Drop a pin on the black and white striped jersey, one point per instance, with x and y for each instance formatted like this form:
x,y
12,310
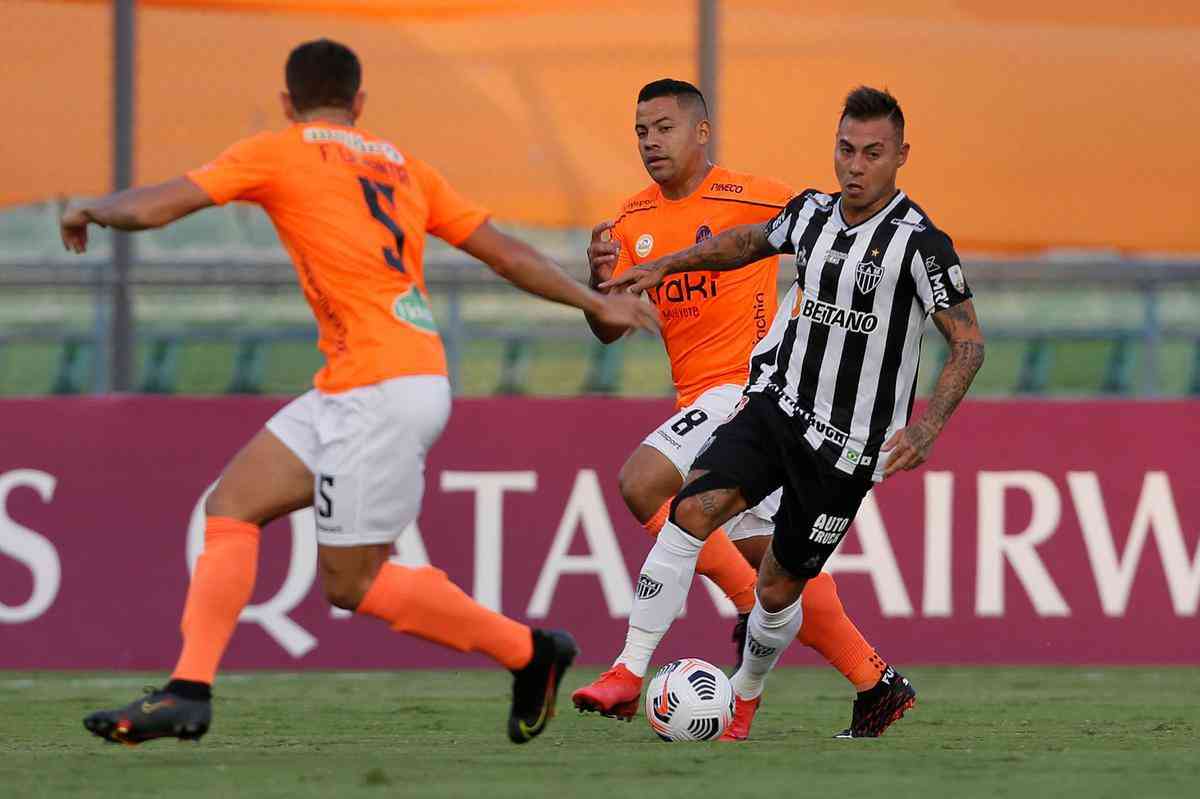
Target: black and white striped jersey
x,y
841,356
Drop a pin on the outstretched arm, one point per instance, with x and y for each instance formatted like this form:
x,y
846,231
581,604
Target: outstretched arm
x,y
133,209
733,249
958,324
530,270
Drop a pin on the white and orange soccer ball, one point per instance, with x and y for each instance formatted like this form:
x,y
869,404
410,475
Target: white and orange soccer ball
x,y
689,700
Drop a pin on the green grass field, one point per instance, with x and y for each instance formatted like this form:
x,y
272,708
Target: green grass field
x,y
976,732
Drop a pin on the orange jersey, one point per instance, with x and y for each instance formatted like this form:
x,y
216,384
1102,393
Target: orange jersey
x,y
352,211
710,320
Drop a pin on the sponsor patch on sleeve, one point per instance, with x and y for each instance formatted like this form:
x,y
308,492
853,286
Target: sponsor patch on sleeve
x,y
955,273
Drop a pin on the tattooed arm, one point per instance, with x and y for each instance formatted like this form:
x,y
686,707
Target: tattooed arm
x,y
733,249
910,447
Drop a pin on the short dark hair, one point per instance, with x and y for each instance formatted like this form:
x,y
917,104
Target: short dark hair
x,y
323,74
681,90
866,103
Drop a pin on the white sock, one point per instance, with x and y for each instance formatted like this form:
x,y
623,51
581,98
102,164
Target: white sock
x,y
767,635
662,589
639,648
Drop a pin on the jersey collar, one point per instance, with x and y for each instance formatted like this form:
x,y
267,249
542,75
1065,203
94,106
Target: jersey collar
x,y
869,221
709,177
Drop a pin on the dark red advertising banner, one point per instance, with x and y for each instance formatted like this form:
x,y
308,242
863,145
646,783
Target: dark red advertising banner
x,y
1039,532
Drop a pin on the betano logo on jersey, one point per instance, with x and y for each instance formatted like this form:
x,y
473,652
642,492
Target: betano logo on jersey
x,y
412,308
824,313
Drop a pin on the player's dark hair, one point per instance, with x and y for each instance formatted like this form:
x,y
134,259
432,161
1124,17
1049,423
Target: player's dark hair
x,y
323,74
866,103
681,90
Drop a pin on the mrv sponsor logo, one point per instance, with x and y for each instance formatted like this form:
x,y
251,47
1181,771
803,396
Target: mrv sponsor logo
x,y
941,296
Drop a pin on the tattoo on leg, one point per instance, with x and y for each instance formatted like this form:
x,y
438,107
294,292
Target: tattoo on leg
x,y
709,501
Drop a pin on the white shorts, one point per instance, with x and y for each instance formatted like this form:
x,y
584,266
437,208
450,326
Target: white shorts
x,y
366,449
681,438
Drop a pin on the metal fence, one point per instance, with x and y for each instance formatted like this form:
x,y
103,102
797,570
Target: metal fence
x,y
221,279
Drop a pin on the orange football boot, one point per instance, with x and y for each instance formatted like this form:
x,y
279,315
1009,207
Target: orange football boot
x,y
743,714
614,694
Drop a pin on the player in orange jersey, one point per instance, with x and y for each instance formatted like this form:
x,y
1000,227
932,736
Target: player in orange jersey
x,y
710,323
352,210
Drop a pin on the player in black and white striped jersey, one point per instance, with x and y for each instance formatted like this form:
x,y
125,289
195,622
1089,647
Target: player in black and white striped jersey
x,y
827,406
844,357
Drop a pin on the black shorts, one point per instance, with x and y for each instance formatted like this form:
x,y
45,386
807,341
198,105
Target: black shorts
x,y
761,449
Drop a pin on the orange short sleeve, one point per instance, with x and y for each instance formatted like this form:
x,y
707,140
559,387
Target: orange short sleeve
x,y
242,172
451,217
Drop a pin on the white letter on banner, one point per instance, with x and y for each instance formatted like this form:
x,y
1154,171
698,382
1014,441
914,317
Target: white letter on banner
x,y
489,488
29,547
1155,514
410,549
272,615
877,560
585,507
722,603
1019,549
936,594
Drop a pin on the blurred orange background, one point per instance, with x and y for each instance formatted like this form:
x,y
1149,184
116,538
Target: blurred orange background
x,y
1032,124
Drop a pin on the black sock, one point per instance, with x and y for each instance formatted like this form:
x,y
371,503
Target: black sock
x,y
187,689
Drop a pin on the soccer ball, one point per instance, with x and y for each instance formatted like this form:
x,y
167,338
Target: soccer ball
x,y
689,700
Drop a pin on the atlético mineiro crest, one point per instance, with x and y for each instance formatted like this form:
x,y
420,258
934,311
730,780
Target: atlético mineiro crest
x,y
648,587
758,648
867,276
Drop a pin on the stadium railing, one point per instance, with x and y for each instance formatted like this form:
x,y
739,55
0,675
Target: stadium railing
x,y
1042,306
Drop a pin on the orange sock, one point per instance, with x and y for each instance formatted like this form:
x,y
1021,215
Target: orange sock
x,y
221,586
655,525
425,603
827,629
720,561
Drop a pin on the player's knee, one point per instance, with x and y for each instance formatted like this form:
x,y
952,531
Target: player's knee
x,y
627,483
641,490
689,513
